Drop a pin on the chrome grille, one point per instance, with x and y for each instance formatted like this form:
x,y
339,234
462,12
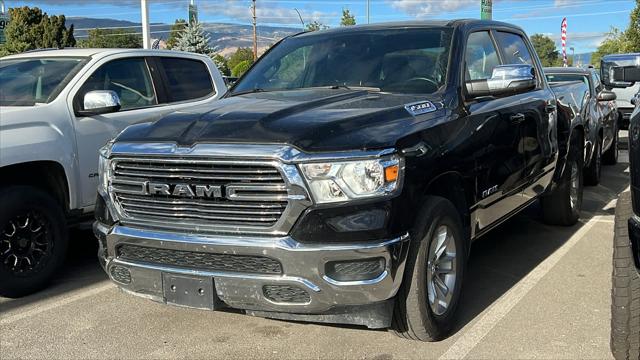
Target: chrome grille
x,y
249,193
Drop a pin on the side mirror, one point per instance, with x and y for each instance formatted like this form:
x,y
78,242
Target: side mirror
x,y
634,100
99,102
505,80
606,95
620,70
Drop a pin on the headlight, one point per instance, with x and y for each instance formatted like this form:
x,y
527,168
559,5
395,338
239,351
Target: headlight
x,y
103,168
351,180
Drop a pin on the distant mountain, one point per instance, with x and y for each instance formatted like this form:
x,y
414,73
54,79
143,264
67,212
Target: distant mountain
x,y
226,37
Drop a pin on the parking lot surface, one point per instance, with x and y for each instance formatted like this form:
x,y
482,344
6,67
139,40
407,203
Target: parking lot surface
x,y
532,291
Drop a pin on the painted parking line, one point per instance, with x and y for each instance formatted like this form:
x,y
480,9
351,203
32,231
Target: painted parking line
x,y
79,295
472,337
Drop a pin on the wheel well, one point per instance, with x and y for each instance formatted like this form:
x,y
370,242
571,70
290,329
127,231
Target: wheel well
x,y
451,186
45,175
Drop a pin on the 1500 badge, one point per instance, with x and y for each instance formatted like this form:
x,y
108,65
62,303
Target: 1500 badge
x,y
421,107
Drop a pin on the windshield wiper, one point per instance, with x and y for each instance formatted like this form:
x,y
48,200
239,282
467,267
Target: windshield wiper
x,y
250,91
369,88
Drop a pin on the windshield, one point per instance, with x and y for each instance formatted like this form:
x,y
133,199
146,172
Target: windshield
x,y
555,78
396,60
26,82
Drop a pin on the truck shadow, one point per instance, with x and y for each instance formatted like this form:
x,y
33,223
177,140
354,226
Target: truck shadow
x,y
506,255
80,270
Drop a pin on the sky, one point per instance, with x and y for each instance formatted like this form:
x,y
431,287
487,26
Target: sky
x,y
588,20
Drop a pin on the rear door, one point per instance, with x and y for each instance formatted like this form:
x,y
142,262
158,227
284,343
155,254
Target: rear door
x,y
499,158
536,108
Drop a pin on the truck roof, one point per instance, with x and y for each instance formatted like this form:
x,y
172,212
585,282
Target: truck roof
x,y
413,24
81,52
567,70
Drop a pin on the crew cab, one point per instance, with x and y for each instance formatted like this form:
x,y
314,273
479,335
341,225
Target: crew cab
x,y
344,176
600,128
57,108
625,292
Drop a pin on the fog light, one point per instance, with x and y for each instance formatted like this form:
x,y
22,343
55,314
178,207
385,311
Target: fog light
x,y
120,274
355,270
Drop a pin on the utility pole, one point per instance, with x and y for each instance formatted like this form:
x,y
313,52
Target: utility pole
x,y
255,36
146,37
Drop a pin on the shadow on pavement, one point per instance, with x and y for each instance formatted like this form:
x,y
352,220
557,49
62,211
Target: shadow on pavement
x,y
81,269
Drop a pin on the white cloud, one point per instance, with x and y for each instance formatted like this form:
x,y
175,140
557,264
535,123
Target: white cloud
x,y
271,13
431,7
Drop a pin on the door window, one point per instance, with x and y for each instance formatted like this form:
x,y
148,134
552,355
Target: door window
x,y
514,49
187,79
481,56
129,78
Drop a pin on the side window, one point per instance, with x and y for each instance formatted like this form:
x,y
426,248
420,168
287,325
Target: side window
x,y
129,78
480,56
514,49
187,79
597,83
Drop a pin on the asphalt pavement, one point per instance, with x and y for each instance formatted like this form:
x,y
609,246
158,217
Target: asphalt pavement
x,y
532,291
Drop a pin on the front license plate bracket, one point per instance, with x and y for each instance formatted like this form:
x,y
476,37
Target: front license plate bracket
x,y
190,291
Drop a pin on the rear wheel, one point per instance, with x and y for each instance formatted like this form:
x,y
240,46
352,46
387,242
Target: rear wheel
x,y
562,206
426,303
625,290
33,240
610,157
594,170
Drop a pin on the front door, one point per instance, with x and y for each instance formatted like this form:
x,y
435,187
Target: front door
x,y
499,158
130,79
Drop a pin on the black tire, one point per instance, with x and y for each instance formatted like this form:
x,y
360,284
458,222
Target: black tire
x,y
610,157
413,316
593,172
29,255
625,288
557,206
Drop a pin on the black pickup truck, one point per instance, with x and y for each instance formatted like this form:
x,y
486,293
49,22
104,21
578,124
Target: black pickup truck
x,y
344,176
600,122
625,292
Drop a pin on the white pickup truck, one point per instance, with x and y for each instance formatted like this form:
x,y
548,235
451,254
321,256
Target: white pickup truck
x,y
57,107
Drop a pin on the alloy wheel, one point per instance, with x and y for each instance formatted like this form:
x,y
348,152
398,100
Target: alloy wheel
x,y
25,243
441,270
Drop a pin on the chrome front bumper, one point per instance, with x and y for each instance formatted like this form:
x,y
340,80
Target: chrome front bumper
x,y
303,266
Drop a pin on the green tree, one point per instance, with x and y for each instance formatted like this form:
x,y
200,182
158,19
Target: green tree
x,y
241,68
614,43
315,26
194,39
30,28
241,55
632,34
176,29
222,64
111,38
546,50
347,19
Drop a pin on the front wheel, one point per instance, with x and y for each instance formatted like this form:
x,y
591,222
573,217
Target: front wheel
x,y
33,240
427,300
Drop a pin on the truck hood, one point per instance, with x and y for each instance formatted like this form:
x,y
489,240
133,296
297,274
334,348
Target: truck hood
x,y
23,116
309,119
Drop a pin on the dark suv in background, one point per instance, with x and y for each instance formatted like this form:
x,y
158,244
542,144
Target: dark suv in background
x,y
625,294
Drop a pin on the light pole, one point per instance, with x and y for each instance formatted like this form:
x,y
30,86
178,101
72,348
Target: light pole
x,y
146,37
300,16
573,56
